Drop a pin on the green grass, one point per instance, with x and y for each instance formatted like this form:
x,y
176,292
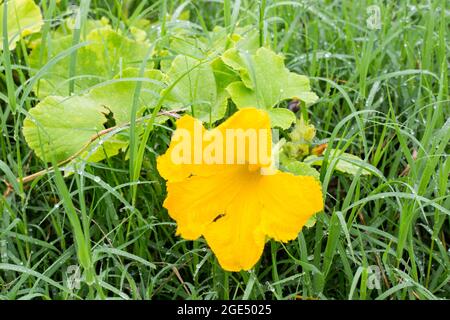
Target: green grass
x,y
383,96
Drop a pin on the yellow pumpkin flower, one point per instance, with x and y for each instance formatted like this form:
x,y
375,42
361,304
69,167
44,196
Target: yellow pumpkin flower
x,y
228,194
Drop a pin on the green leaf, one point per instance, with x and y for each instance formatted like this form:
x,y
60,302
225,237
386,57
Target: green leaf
x,y
213,44
244,97
188,46
302,169
236,60
223,74
311,221
24,18
281,117
105,148
115,51
192,85
244,46
106,54
68,25
61,127
117,96
265,82
346,163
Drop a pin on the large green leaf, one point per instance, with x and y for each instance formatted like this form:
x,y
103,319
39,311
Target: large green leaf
x,y
223,75
58,127
281,117
266,82
211,44
192,85
68,25
106,53
117,95
115,51
24,18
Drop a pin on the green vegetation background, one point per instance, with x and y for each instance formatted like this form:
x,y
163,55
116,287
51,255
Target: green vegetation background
x,y
383,96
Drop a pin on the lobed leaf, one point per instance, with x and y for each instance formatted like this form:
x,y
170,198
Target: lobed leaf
x,y
24,18
107,53
192,85
60,127
265,82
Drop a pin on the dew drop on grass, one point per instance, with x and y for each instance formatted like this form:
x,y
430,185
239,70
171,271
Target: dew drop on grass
x,y
130,208
56,206
97,179
269,286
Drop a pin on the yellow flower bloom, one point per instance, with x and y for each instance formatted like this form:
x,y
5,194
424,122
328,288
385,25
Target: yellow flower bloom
x,y
234,205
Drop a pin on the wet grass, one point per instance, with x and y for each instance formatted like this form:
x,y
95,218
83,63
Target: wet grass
x,y
383,96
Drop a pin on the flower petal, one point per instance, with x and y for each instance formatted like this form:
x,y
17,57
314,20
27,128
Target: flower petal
x,y
180,162
235,238
169,169
247,118
250,123
195,202
233,205
288,202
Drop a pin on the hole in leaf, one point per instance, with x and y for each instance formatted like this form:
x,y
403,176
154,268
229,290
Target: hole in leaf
x,y
110,121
